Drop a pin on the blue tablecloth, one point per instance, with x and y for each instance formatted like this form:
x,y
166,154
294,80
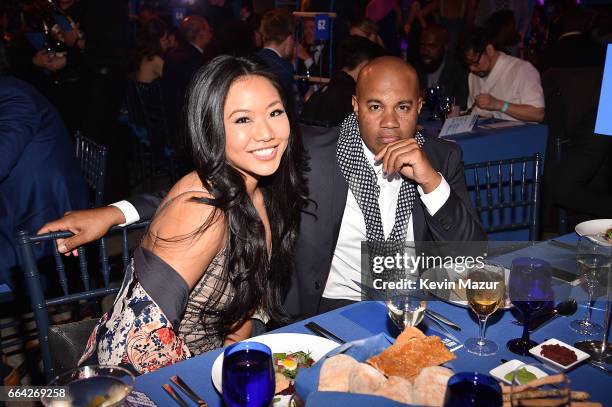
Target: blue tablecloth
x,y
484,144
368,318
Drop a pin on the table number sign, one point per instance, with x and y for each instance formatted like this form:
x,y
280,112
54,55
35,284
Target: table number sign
x,y
456,125
322,27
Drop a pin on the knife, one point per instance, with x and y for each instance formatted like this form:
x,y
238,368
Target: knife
x,y
174,396
443,319
319,330
188,391
563,245
444,329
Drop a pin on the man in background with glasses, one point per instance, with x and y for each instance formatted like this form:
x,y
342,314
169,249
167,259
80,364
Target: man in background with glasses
x,y
501,86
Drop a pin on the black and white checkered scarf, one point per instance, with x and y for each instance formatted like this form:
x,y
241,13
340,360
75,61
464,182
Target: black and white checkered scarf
x,y
361,179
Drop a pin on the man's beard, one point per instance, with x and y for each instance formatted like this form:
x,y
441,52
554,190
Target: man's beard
x,y
434,66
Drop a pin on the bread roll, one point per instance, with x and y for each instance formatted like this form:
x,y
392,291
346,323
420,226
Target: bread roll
x,y
398,389
365,379
335,373
430,386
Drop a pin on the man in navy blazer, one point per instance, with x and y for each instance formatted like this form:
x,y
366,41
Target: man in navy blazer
x,y
277,33
328,250
40,177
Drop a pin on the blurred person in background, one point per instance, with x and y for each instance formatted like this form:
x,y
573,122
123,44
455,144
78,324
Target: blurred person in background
x,y
277,32
248,15
366,28
312,54
180,64
387,14
145,98
454,15
40,177
151,43
501,86
332,104
520,8
439,66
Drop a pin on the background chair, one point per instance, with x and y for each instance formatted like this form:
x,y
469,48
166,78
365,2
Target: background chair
x,y
506,195
77,283
92,158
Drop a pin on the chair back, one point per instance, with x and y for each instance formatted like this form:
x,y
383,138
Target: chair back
x,y
76,282
506,194
92,158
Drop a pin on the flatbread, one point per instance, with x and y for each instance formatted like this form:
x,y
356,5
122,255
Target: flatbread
x,y
409,359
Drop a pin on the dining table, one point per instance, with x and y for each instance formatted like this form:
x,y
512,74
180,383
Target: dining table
x,y
368,318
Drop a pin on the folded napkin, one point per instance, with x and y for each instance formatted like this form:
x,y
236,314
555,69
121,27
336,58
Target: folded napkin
x,y
307,380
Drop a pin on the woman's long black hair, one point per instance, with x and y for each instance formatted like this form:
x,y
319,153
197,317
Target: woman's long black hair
x,y
255,280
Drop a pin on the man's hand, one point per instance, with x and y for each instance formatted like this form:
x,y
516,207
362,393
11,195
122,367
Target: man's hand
x,y
302,53
87,225
488,102
407,158
70,37
47,60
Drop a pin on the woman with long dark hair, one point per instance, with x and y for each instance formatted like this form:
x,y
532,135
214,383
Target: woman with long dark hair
x,y
150,44
219,248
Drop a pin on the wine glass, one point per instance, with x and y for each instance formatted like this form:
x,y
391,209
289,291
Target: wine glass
x,y
593,257
530,291
91,385
446,106
248,375
554,393
471,389
406,310
485,293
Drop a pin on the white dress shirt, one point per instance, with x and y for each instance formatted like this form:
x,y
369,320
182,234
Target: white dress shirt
x,y
512,80
346,263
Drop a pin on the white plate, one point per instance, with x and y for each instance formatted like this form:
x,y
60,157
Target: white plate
x,y
581,356
502,370
594,227
281,343
454,296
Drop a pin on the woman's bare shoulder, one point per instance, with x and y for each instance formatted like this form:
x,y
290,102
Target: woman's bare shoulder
x,y
187,233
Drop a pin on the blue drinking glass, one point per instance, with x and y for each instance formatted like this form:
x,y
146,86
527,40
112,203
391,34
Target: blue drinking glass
x,y
471,389
248,375
530,288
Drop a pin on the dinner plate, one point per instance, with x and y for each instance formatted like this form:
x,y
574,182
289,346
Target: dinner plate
x,y
594,227
281,343
456,296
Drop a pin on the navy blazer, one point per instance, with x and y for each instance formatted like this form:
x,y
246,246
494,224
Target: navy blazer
x,y
40,177
320,222
281,68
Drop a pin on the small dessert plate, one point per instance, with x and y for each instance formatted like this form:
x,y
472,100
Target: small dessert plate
x,y
580,355
501,371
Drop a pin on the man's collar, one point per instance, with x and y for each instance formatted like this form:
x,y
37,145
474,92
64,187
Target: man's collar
x,y
200,50
275,51
569,34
